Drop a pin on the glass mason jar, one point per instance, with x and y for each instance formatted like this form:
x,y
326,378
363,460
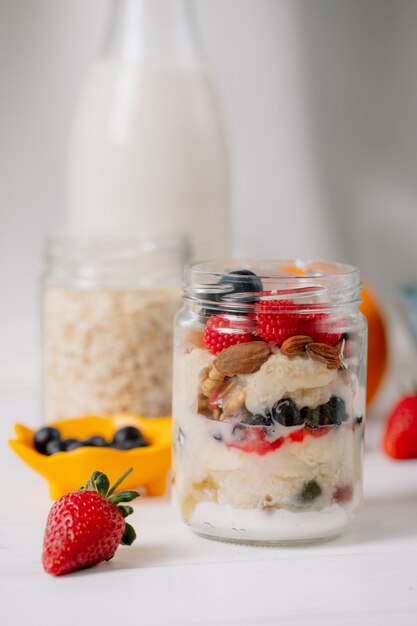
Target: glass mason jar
x,y
108,307
269,400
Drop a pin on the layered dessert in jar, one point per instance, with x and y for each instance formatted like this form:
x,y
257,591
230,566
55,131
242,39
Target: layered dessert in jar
x,y
269,401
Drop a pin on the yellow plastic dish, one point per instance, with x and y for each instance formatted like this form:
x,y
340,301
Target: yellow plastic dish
x,y
67,471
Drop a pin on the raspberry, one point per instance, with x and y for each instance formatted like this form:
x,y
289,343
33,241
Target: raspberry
x,y
221,332
320,327
272,324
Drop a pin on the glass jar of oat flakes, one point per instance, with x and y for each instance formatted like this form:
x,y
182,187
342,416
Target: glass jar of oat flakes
x,y
108,309
269,400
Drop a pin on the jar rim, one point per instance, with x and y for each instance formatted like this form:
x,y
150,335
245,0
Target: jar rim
x,y
314,285
118,262
58,244
286,269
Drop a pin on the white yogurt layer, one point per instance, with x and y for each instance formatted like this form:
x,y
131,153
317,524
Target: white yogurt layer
x,y
224,521
280,375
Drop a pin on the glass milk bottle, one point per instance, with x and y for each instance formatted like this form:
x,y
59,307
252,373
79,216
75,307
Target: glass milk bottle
x,y
147,149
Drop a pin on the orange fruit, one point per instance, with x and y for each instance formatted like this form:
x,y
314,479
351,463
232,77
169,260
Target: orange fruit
x,y
377,342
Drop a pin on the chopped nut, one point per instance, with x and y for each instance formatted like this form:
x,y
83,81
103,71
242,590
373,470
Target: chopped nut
x,y
211,380
242,358
202,403
295,345
209,387
216,414
324,354
207,485
235,403
268,504
203,374
216,375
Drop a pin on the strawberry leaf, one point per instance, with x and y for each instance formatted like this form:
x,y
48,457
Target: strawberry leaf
x,y
129,535
102,484
126,510
123,496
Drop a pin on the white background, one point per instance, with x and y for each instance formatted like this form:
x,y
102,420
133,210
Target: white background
x,y
320,101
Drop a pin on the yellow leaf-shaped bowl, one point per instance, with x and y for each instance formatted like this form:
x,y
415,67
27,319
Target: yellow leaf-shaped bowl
x,y
67,471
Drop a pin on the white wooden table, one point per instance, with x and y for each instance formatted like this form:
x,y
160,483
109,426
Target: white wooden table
x,y
169,576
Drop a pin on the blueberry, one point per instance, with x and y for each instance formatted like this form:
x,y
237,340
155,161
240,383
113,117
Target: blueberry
x,y
242,281
326,416
239,432
359,420
96,441
337,408
43,436
310,417
54,446
69,440
286,413
128,433
236,282
310,491
257,420
73,445
128,438
130,445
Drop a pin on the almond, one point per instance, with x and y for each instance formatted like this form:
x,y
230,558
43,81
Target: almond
x,y
324,354
242,358
295,345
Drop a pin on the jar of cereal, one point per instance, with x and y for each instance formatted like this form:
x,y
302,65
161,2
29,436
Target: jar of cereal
x,y
108,309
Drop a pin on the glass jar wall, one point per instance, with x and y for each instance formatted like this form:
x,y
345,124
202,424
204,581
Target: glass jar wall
x,y
108,308
269,400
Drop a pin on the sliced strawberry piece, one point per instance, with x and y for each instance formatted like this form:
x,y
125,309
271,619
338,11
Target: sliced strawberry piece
x,y
253,440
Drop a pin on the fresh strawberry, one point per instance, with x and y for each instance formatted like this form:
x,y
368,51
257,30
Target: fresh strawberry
x,y
253,439
320,327
222,331
400,437
85,527
274,320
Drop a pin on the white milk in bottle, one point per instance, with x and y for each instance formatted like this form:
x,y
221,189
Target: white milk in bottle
x,y
147,150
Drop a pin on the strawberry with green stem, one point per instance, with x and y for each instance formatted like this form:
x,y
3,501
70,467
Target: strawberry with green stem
x,y
85,527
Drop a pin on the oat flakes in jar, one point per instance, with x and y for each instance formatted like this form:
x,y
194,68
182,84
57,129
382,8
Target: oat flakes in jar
x,y
108,309
269,400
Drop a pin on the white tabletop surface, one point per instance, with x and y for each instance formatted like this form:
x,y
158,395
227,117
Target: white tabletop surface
x,y
169,576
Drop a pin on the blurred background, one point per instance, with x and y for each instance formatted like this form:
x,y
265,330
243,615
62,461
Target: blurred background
x,y
319,102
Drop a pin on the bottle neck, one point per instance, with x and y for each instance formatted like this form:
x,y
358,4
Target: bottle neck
x,y
160,32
